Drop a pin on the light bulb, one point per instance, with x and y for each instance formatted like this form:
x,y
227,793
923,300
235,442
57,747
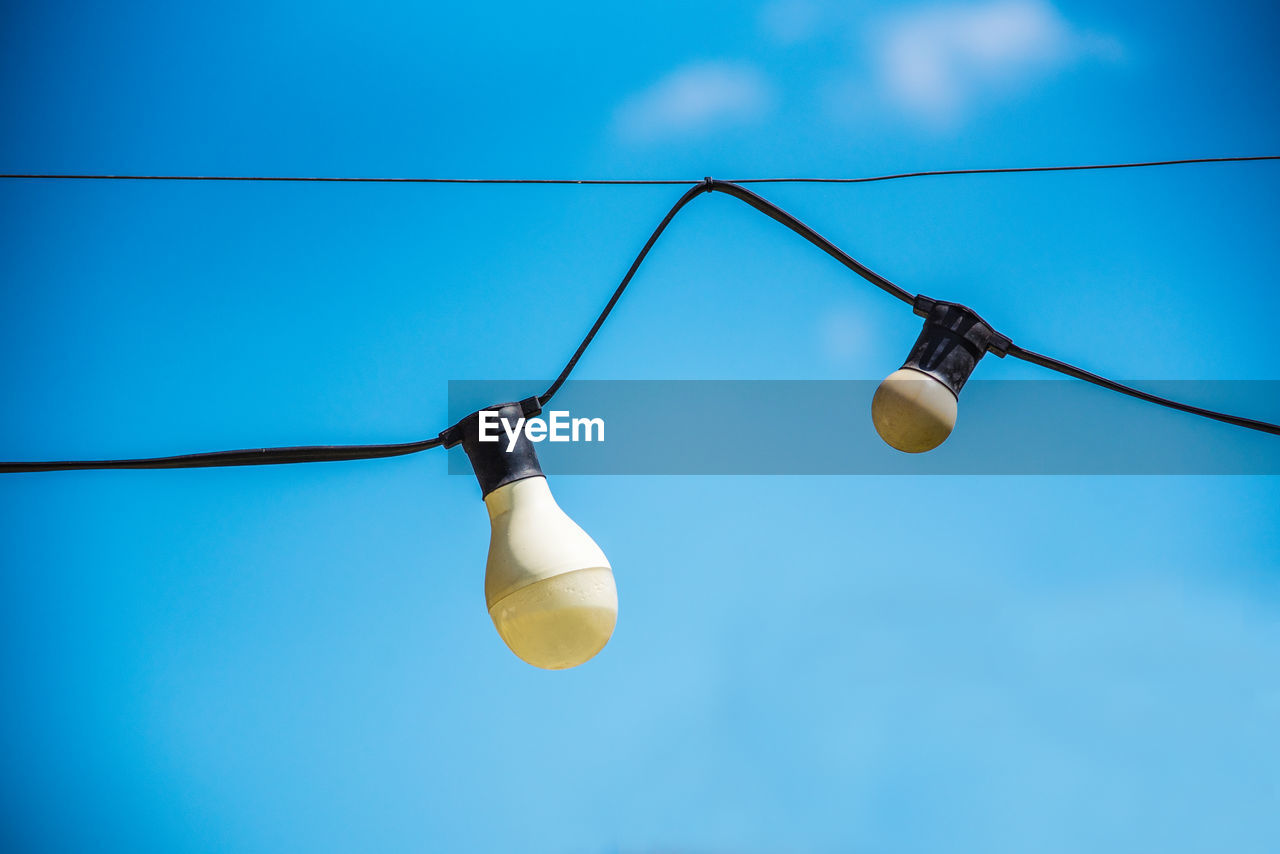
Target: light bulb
x,y
912,411
548,587
915,408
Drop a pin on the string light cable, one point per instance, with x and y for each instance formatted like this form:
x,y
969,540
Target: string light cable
x,y
953,330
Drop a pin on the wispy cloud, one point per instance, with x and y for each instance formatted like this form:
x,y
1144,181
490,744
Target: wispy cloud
x,y
937,62
936,65
695,100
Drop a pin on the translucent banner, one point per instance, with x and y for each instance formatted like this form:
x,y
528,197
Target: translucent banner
x,y
1005,427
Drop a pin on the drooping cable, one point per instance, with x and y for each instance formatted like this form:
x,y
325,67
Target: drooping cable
x,y
770,210
327,179
690,195
247,457
1081,374
774,212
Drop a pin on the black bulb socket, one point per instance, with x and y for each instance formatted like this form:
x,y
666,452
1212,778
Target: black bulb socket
x,y
952,342
497,463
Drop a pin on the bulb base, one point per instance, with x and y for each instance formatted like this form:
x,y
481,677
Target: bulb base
x,y
560,621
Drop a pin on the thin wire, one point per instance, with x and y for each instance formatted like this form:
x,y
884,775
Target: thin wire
x,y
333,453
639,181
1006,170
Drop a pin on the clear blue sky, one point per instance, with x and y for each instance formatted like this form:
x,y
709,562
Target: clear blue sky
x,y
299,658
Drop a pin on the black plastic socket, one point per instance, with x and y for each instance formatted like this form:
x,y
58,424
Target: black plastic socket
x,y
952,342
492,462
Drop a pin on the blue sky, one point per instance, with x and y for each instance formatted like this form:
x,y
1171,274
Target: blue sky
x,y
299,658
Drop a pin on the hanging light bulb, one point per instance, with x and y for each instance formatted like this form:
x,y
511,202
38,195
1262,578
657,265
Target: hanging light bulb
x,y
549,588
914,409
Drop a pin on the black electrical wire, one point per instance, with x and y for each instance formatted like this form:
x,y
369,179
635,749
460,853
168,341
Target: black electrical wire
x,y
773,211
247,457
766,207
339,180
637,181
333,453
690,195
1081,374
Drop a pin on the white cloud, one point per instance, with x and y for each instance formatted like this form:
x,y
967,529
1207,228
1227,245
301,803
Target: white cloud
x,y
695,100
936,62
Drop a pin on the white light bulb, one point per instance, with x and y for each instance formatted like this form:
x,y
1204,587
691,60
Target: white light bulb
x,y
549,588
913,411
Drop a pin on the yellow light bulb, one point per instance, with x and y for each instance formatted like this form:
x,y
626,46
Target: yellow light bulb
x,y
912,411
549,588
